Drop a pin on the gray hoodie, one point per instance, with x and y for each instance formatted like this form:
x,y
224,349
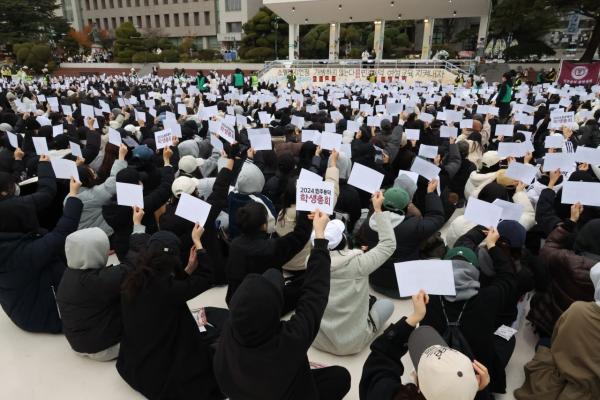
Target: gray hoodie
x,y
87,249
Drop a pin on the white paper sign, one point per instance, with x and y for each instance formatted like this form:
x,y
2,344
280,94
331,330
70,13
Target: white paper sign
x,y
554,142
41,146
311,195
510,211
114,137
435,277
259,139
504,130
365,178
13,139
448,131
130,195
163,139
424,168
483,213
64,169
75,149
192,209
521,172
562,161
413,134
559,119
87,110
466,124
57,130
330,141
309,176
505,332
428,151
298,122
227,133
587,155
586,193
413,176
510,149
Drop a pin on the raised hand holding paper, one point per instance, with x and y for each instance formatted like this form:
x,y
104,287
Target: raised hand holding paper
x,y
41,145
428,151
64,169
330,141
424,168
586,193
435,277
311,195
163,139
192,209
259,139
365,178
75,149
130,195
227,133
510,211
413,134
521,172
114,137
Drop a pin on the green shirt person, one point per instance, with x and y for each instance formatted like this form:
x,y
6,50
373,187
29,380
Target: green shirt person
x,y
254,81
291,80
201,82
238,79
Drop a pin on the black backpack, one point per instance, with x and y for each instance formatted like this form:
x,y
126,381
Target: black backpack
x,y
453,335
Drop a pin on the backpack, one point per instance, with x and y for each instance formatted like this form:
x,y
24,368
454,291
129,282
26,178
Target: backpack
x,y
453,335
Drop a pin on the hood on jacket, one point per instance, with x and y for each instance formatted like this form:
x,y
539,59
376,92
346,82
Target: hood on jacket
x,y
188,148
255,308
344,165
18,216
404,182
493,191
250,180
466,280
87,249
395,219
587,239
595,277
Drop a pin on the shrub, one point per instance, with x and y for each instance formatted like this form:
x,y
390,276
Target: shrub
x,y
170,55
140,57
124,56
259,54
208,54
35,56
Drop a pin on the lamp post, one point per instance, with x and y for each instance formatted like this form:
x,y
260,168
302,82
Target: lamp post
x,y
276,26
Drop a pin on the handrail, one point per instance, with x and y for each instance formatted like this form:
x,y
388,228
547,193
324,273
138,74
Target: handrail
x,y
460,66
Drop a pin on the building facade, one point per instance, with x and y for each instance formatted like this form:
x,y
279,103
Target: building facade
x,y
212,23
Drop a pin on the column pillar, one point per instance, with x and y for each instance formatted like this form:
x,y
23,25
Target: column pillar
x,y
294,42
204,42
482,35
427,36
334,42
378,39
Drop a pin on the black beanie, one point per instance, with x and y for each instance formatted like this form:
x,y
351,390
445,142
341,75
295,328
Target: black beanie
x,y
129,175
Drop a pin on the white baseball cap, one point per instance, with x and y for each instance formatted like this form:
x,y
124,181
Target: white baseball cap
x,y
334,232
443,373
184,184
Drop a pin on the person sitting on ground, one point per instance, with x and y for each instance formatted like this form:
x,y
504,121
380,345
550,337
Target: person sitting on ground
x,y
259,357
441,372
351,321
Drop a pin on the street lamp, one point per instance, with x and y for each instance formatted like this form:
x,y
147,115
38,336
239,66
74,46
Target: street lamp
x,y
276,25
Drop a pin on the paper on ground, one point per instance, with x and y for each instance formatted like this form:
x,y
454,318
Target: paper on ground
x,y
192,209
130,195
365,178
586,193
435,277
312,195
481,212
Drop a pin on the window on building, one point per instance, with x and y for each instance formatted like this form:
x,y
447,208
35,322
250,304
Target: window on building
x,y
196,18
111,3
176,20
87,4
130,19
165,1
157,21
174,1
148,22
213,42
155,2
139,21
206,17
98,23
137,3
120,3
167,21
105,23
128,3
233,5
95,4
233,27
186,19
103,4
184,1
438,35
113,22
121,20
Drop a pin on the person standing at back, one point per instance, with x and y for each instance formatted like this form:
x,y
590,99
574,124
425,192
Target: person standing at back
x,y
504,96
238,79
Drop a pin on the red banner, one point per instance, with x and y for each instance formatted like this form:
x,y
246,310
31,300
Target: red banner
x,y
579,73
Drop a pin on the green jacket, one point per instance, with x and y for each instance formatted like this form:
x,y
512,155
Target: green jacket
x,y
238,80
254,81
201,83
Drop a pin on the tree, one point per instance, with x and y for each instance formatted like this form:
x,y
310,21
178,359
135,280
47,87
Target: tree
x,y
34,55
30,20
128,42
525,22
260,37
588,8
315,44
82,37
